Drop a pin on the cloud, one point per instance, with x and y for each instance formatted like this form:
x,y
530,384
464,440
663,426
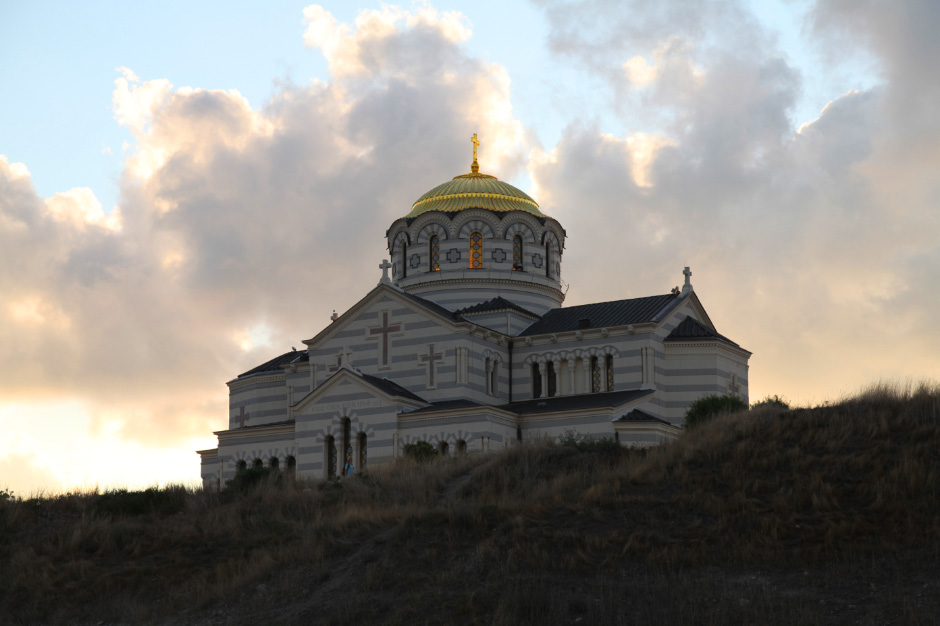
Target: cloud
x,y
810,246
238,230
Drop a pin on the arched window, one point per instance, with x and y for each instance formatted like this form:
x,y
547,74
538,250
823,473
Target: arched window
x,y
595,375
461,447
434,252
257,463
536,381
404,259
476,251
363,455
330,457
443,448
552,381
291,464
517,253
548,259
274,462
494,377
240,467
347,445
609,362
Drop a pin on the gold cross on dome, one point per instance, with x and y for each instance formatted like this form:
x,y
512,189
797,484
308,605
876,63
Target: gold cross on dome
x,y
476,142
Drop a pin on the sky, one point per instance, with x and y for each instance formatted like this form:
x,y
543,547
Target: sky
x,y
189,189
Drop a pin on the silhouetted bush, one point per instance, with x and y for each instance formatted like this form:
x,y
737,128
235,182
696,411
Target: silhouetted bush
x,y
709,407
421,451
251,476
774,401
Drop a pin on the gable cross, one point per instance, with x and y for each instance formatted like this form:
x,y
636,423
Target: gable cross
x,y
431,358
385,329
688,280
733,387
343,358
385,266
242,418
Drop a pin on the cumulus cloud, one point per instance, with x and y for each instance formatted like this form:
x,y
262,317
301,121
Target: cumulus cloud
x,y
239,230
812,246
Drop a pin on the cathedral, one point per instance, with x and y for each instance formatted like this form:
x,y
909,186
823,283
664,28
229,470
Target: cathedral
x,y
464,343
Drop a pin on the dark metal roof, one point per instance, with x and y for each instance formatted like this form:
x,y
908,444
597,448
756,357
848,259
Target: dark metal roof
x,y
274,365
573,403
390,388
498,303
636,415
692,329
603,314
446,405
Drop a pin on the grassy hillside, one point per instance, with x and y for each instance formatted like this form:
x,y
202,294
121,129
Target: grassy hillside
x,y
828,515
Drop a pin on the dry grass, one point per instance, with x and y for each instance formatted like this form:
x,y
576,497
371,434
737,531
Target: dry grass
x,y
743,520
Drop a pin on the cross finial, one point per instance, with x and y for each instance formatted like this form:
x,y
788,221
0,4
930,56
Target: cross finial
x,y
475,167
688,280
385,265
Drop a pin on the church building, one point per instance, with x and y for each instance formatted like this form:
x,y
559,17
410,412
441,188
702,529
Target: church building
x,y
465,344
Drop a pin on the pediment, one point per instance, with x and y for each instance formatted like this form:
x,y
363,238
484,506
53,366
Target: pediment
x,y
383,391
375,299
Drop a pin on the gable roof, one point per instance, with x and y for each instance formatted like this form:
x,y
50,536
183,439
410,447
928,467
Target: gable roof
x,y
390,388
604,314
574,403
691,329
382,289
498,303
274,365
636,415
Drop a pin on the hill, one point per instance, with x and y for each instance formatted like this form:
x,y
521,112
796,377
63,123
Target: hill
x,y
825,515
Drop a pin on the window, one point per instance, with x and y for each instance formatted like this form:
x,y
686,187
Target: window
x,y
257,463
595,375
444,449
461,447
434,251
362,451
274,462
476,251
240,467
609,362
536,381
291,463
492,375
404,260
347,445
517,253
548,259
330,457
552,381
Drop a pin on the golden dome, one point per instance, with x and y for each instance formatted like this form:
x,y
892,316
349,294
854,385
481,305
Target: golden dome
x,y
475,191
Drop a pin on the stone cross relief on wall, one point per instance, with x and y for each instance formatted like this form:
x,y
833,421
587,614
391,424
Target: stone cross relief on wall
x,y
384,330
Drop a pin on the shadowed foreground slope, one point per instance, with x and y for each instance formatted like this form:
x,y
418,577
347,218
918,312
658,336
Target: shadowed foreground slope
x,y
827,515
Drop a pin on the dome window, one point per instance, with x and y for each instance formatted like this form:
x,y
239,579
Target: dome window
x,y
517,253
476,251
434,251
548,260
404,260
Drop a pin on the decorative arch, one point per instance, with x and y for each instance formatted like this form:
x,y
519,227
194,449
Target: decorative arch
x,y
461,225
401,238
525,226
479,226
431,227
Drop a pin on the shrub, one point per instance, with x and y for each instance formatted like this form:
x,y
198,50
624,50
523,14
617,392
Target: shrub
x,y
421,451
251,476
709,407
605,444
772,402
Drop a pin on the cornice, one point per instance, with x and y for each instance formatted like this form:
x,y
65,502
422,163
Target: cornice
x,y
696,346
238,383
254,431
